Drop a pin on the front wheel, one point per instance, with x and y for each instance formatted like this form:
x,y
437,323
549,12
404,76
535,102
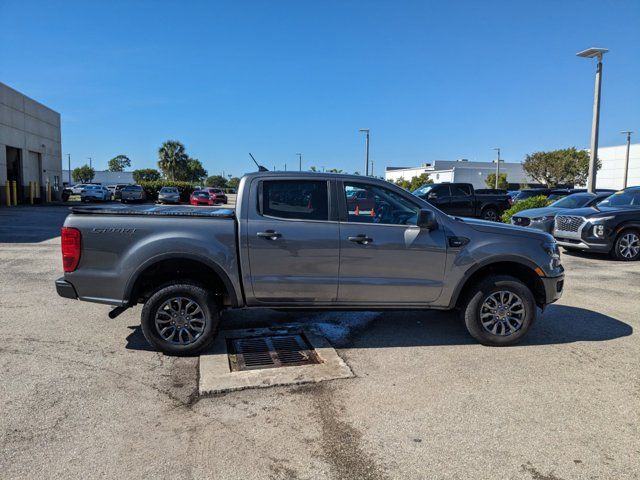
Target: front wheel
x,y
490,214
499,310
180,319
627,245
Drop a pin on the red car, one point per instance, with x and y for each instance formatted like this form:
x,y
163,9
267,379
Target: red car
x,y
216,194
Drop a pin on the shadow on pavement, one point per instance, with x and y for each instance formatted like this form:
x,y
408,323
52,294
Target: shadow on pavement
x,y
27,224
559,324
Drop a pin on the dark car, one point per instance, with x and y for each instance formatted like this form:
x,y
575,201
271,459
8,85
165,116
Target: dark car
x,y
563,192
532,192
461,199
612,226
542,218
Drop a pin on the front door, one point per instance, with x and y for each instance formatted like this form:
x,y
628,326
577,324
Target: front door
x,y
384,257
293,247
462,201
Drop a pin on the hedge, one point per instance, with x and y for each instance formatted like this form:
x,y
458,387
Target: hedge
x,y
533,202
152,188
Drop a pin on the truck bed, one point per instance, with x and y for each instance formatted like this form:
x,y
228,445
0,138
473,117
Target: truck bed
x,y
155,210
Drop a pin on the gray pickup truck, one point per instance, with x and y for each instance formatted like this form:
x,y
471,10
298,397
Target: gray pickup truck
x,y
297,241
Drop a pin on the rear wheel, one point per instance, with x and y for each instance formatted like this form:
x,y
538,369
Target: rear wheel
x,y
499,310
490,214
180,319
627,245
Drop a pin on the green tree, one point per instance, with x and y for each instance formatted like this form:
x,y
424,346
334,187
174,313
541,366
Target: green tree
x,y
173,159
193,171
414,183
334,170
146,175
119,163
568,166
217,181
502,181
83,174
313,169
233,182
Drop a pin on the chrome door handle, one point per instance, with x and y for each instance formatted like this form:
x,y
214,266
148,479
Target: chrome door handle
x,y
269,234
361,239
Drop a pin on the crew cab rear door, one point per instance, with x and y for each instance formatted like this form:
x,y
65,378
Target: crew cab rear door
x,y
384,257
292,241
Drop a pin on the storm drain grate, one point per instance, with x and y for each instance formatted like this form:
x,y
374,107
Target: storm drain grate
x,y
271,351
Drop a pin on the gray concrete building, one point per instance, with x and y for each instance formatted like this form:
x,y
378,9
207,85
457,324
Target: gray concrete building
x,y
30,145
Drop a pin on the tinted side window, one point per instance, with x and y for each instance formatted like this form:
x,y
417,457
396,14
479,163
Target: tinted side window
x,y
374,204
297,199
460,190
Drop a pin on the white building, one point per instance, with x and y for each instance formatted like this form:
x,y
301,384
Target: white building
x,y
30,145
460,171
104,177
611,174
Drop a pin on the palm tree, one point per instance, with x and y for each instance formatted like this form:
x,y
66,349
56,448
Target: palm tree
x,y
173,158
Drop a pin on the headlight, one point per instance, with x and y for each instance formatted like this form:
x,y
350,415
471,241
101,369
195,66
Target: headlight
x,y
553,251
598,231
542,219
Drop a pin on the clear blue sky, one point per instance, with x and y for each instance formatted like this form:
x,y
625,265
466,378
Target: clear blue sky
x,y
432,80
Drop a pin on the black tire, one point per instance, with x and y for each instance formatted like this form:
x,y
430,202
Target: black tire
x,y
629,237
191,292
474,304
490,214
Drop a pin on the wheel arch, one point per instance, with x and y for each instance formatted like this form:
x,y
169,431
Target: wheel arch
x,y
522,269
173,266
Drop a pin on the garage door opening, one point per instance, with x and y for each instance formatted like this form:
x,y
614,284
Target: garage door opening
x,y
14,169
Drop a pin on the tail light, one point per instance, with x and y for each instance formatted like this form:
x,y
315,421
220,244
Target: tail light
x,y
71,239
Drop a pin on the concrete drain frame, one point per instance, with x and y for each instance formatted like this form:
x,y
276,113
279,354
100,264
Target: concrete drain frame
x,y
316,360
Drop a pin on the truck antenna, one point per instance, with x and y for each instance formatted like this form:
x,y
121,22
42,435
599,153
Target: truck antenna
x,y
260,167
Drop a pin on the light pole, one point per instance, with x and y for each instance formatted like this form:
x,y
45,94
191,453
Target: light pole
x,y
69,162
90,159
595,125
626,158
497,166
366,150
299,160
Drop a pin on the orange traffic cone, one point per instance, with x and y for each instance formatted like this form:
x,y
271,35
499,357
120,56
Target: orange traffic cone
x,y
357,210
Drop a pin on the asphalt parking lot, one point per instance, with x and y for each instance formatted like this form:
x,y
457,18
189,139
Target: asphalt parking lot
x,y
83,397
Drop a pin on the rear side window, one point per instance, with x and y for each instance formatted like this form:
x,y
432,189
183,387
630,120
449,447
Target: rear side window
x,y
460,190
295,199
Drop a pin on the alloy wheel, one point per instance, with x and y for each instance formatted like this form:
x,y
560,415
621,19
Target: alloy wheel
x,y
629,245
180,321
502,313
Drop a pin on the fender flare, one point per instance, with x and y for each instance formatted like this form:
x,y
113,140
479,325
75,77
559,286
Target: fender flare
x,y
233,294
525,262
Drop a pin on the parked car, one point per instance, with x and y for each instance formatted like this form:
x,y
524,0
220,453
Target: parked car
x,y
132,193
543,218
94,193
532,192
78,187
116,189
217,195
563,192
169,195
203,197
612,226
294,242
461,200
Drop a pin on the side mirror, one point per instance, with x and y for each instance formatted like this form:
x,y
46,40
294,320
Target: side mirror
x,y
427,219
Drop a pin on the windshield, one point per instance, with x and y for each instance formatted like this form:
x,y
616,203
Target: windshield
x,y
423,190
168,190
623,198
573,201
133,188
